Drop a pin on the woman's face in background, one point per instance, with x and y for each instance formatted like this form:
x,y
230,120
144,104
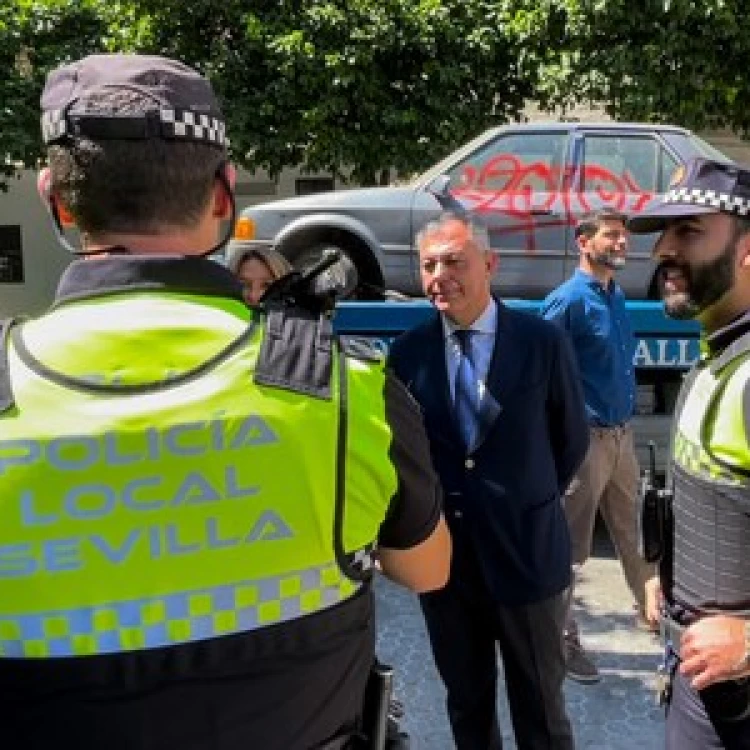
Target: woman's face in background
x,y
255,277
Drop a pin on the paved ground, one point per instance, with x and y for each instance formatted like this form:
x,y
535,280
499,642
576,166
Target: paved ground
x,y
618,713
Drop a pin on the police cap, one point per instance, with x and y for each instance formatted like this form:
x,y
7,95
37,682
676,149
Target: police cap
x,y
185,105
702,186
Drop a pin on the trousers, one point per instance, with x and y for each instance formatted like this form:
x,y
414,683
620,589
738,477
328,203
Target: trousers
x,y
466,627
607,482
695,722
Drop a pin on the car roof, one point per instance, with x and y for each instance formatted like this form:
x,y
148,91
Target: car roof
x,y
569,126
584,125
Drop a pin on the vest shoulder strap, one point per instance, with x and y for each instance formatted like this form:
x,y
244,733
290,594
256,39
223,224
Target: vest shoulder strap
x,y
738,348
297,352
360,348
711,407
719,368
7,401
358,567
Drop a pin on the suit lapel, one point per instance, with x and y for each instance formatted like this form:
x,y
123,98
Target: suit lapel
x,y
430,384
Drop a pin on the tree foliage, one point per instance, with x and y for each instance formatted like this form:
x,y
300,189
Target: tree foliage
x,y
326,84
679,61
365,83
370,85
34,37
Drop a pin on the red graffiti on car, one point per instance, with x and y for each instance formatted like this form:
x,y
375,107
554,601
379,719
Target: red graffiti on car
x,y
534,196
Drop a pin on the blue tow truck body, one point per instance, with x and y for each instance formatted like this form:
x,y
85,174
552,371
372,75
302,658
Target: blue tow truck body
x,y
666,348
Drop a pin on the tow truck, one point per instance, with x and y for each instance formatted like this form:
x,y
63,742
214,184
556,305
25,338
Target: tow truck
x,y
666,349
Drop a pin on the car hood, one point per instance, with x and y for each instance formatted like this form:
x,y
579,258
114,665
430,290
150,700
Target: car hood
x,y
383,197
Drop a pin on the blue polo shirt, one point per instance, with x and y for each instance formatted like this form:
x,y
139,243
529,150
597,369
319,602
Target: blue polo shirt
x,y
599,327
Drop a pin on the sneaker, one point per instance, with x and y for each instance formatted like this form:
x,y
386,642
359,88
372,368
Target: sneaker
x,y
578,665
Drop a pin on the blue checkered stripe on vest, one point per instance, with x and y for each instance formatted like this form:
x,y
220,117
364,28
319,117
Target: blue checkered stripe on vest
x,y
175,618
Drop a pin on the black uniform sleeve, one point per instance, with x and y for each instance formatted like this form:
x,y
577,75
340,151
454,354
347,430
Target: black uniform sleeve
x,y
415,508
568,424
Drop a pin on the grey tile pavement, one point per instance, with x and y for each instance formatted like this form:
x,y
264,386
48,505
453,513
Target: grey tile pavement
x,y
618,713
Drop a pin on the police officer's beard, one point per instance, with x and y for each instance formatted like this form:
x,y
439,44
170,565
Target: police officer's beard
x,y
705,284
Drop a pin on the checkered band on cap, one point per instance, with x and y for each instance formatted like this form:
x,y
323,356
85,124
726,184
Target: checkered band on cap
x,y
710,198
194,127
174,124
53,125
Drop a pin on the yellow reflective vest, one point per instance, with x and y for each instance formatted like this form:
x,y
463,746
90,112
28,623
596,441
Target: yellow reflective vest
x,y
708,568
151,494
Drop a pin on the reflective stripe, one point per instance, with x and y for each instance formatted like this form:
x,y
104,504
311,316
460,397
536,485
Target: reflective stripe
x,y
174,618
696,461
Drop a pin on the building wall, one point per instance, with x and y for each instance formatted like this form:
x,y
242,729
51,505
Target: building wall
x,y
42,260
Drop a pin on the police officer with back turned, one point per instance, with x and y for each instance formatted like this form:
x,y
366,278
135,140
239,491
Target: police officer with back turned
x,y
191,492
702,594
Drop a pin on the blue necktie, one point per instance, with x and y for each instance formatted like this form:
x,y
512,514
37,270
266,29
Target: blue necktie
x,y
466,396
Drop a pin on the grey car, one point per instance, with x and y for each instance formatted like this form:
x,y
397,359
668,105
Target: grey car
x,y
529,183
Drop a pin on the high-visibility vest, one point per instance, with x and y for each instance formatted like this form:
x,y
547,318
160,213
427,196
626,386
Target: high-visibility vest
x,y
151,494
709,568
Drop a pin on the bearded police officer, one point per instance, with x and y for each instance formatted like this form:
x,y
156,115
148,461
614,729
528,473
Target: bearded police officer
x,y
704,581
189,496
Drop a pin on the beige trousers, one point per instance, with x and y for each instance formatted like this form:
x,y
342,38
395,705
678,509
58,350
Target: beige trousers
x,y
608,481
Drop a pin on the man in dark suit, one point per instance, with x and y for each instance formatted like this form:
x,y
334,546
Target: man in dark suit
x,y
506,420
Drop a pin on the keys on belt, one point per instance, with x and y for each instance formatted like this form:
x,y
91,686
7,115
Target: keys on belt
x,y
663,686
671,633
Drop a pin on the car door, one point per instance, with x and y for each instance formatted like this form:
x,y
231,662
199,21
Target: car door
x,y
513,182
625,171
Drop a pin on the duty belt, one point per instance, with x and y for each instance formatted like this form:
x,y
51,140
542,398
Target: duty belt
x,y
671,632
725,701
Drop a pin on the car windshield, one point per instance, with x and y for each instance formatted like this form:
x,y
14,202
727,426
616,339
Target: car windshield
x,y
706,149
455,156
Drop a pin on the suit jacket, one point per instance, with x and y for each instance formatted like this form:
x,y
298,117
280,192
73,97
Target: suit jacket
x,y
503,495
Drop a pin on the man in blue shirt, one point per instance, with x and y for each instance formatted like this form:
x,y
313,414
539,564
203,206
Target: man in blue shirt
x,y
590,306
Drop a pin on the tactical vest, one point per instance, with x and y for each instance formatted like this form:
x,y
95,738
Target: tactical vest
x,y
710,565
152,494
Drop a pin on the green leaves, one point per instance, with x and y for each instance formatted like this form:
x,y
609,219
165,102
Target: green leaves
x,y
34,37
369,85
660,60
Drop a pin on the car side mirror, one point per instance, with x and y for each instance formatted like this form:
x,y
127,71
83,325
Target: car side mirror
x,y
439,189
439,184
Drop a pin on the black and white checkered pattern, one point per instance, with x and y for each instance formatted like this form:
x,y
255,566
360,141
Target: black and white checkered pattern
x,y
175,124
193,127
53,125
720,201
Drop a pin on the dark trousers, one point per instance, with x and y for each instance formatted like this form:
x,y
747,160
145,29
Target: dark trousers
x,y
465,626
694,720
